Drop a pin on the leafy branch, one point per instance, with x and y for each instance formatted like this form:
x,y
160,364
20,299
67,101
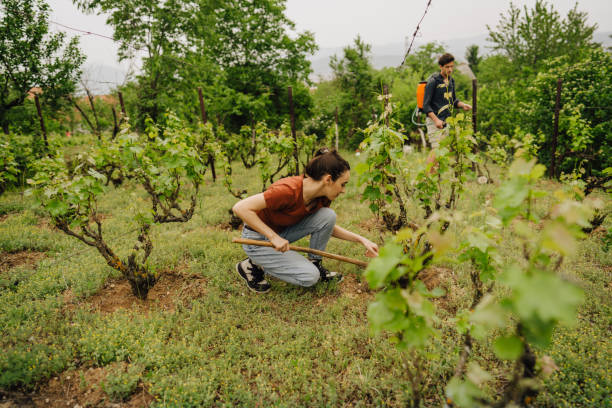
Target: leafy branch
x,y
164,163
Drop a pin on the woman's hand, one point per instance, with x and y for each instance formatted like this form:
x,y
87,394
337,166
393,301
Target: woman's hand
x,y
371,248
280,243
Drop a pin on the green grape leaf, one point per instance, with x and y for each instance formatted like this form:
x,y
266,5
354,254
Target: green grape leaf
x,y
509,197
57,207
508,348
378,269
379,315
521,167
542,294
464,393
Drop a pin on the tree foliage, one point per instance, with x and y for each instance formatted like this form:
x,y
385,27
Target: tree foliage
x,y
243,54
424,60
585,127
534,301
169,164
530,36
31,57
354,76
156,28
472,58
258,53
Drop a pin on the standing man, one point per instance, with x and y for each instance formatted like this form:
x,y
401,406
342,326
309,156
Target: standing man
x,y
439,96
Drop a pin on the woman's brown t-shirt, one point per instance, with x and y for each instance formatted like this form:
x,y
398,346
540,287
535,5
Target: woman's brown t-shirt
x,y
285,203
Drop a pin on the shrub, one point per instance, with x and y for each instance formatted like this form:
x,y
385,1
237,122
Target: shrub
x,y
165,163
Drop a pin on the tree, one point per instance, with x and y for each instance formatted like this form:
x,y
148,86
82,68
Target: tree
x,y
241,53
32,57
529,36
585,127
169,165
326,98
355,77
259,52
423,61
472,57
158,29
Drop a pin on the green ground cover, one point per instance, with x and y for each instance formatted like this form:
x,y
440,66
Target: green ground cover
x,y
230,347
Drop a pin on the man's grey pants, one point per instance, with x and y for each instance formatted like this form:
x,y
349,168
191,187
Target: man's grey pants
x,y
434,134
290,266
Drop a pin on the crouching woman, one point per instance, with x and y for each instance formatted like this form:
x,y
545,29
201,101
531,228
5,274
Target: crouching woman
x,y
290,209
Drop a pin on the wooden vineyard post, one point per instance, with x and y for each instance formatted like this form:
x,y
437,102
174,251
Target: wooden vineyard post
x,y
336,128
96,130
122,106
474,126
474,104
386,102
202,108
295,146
211,158
555,135
115,126
42,122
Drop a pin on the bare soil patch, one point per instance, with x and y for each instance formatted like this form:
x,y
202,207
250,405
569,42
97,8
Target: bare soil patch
x,y
227,226
172,288
11,260
599,232
372,224
437,277
76,388
434,277
232,224
351,286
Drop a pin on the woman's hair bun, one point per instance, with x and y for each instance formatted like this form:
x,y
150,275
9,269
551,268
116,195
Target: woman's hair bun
x,y
321,151
326,161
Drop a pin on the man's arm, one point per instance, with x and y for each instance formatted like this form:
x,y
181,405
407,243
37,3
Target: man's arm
x,y
458,103
341,233
439,124
463,105
428,97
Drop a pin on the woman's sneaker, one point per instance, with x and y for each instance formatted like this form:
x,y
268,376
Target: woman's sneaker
x,y
326,275
253,275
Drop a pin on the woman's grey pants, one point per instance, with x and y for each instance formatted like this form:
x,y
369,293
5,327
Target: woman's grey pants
x,y
290,266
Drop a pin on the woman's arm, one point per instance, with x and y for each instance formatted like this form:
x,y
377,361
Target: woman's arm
x,y
247,210
341,233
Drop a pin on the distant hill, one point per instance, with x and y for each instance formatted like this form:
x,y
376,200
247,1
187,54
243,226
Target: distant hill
x,y
102,78
390,55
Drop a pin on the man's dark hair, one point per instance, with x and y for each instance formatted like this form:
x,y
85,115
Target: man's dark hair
x,y
326,162
445,59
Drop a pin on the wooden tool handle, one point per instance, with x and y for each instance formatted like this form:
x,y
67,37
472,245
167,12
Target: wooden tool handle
x,y
246,241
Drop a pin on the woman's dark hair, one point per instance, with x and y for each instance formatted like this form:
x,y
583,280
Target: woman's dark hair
x,y
445,59
324,162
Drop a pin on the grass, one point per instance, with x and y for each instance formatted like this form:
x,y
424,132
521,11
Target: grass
x,y
230,347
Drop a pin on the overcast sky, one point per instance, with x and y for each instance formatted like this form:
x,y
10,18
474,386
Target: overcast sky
x,y
337,22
